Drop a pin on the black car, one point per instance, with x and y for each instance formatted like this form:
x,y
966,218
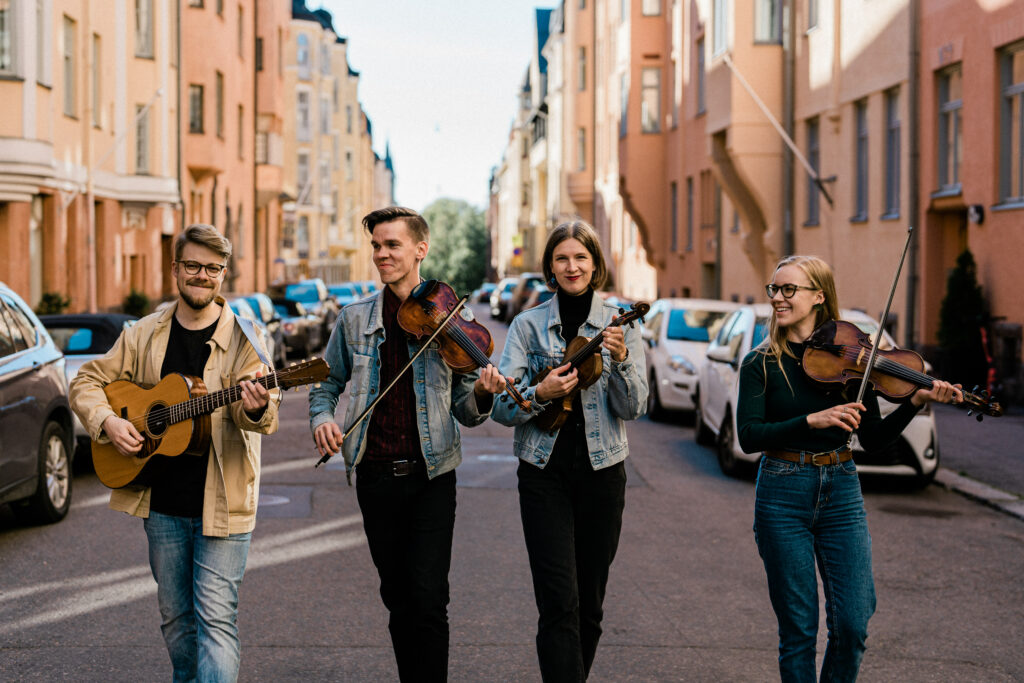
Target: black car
x,y
35,417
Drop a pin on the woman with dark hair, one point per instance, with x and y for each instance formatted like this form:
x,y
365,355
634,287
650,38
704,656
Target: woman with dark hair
x,y
809,506
572,481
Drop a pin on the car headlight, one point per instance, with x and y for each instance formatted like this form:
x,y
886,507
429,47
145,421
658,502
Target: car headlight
x,y
682,364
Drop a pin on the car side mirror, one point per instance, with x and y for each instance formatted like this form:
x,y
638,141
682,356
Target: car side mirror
x,y
722,354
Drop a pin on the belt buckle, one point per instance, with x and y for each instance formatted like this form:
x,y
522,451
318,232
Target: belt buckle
x,y
401,468
829,459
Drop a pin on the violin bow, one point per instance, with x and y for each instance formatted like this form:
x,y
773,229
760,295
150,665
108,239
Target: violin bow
x,y
401,372
878,333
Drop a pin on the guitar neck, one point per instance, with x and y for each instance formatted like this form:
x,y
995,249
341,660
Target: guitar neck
x,y
203,405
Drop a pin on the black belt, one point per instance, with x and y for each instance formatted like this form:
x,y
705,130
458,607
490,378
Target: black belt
x,y
394,468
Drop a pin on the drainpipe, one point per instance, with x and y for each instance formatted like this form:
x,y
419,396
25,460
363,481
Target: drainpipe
x,y
914,203
178,107
788,97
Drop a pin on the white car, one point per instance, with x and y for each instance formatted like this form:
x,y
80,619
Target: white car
x,y
915,454
677,332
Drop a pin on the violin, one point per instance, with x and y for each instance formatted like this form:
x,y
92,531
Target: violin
x,y
464,344
837,352
584,356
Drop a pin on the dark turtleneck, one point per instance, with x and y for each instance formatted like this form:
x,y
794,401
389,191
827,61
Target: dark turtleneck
x,y
573,312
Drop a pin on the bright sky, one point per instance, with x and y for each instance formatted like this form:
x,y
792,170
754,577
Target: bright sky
x,y
438,79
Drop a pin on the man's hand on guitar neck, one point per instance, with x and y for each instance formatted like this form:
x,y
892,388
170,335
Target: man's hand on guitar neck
x,y
123,435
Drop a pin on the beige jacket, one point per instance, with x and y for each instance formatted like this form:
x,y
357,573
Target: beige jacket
x,y
233,477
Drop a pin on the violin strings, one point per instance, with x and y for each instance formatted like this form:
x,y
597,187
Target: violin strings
x,y
888,366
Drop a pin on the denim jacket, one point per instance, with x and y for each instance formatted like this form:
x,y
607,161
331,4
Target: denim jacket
x,y
353,352
534,342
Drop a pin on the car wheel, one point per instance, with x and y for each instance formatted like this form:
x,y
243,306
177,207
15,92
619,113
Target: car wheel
x,y
704,436
52,498
727,460
655,410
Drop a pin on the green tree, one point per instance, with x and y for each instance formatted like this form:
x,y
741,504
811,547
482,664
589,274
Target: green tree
x,y
961,317
458,244
52,302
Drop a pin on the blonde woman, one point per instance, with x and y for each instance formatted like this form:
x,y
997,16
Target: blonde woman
x,y
809,508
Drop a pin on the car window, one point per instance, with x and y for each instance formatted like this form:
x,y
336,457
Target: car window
x,y
19,337
282,311
723,330
760,332
739,328
694,324
6,340
72,339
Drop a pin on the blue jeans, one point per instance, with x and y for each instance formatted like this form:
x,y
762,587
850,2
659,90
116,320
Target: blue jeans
x,y
197,588
805,514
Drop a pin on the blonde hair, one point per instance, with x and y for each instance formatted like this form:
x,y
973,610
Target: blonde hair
x,y
820,276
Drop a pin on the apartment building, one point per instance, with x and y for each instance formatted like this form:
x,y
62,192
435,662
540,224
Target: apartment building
x,y
88,164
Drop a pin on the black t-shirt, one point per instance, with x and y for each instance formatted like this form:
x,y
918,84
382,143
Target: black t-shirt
x,y
179,482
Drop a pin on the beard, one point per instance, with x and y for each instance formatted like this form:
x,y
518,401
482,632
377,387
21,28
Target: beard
x,y
197,304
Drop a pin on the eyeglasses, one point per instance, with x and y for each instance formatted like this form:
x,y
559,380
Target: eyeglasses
x,y
212,269
788,290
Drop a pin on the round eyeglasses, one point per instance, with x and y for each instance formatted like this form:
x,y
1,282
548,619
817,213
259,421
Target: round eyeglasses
x,y
788,290
212,269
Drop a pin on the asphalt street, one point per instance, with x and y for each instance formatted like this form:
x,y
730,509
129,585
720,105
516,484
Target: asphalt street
x,y
687,598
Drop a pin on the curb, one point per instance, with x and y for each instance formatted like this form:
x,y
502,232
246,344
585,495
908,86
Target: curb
x,y
1003,501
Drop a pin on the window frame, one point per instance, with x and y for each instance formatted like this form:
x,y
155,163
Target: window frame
x,y
893,153
142,156
69,64
949,111
1011,158
812,135
196,114
650,123
144,34
768,22
861,159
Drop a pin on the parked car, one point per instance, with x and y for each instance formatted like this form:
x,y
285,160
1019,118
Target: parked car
x,y
302,330
345,293
83,337
677,333
313,295
915,454
500,298
524,285
242,307
482,294
264,308
35,417
538,295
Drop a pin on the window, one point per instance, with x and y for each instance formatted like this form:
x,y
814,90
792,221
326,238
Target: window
x,y
7,36
950,103
42,42
259,53
262,143
220,104
718,25
581,149
701,102
220,7
325,178
814,159
302,117
650,100
241,31
195,108
623,102
97,101
651,8
141,140
325,114
812,14
241,132
349,168
581,69
860,198
69,66
689,214
335,94
623,11
302,235
768,22
1011,124
336,148
348,118
302,55
144,28
325,59
302,175
892,153
195,3
673,191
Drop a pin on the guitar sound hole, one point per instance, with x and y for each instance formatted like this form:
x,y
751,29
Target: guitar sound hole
x,y
156,425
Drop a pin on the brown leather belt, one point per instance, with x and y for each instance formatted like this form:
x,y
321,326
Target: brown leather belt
x,y
820,459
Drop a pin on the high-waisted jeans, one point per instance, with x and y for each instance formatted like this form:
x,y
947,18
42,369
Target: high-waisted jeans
x,y
805,514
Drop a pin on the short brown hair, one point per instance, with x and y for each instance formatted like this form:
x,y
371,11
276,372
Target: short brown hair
x,y
582,231
205,236
415,222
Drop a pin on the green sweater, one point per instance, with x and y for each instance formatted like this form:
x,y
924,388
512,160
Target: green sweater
x,y
772,414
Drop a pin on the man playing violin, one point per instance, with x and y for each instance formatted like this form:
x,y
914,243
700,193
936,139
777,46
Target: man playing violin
x,y
406,452
808,505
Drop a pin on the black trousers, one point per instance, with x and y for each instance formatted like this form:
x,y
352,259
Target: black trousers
x,y
572,516
409,522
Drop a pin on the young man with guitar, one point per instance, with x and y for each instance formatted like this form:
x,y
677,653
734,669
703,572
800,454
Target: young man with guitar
x,y
406,451
198,508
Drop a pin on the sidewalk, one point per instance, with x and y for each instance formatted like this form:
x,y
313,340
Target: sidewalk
x,y
983,460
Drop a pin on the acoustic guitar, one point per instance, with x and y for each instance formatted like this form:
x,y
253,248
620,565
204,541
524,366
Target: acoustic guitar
x,y
173,417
